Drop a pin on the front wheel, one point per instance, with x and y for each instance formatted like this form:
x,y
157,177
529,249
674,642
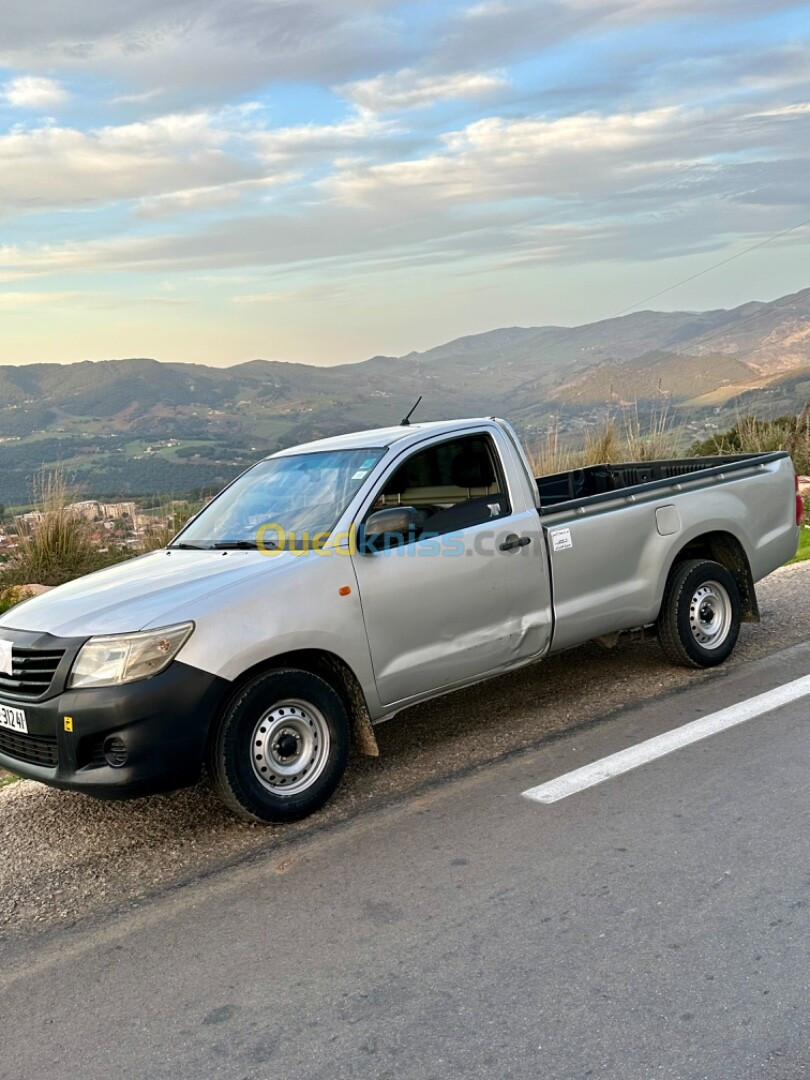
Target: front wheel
x,y
700,617
280,748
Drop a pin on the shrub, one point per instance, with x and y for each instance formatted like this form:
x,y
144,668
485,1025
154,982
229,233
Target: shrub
x,y
753,436
172,517
13,595
59,547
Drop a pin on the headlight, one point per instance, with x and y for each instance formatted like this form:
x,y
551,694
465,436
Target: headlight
x,y
124,658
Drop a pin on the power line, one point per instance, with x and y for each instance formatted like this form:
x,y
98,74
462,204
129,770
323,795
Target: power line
x,y
573,331
714,266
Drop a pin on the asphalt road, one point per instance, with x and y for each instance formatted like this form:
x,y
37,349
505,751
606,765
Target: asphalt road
x,y
654,925
66,857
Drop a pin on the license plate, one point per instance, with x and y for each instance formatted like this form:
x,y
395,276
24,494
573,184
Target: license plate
x,y
14,719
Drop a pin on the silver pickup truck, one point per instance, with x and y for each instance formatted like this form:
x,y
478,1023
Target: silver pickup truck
x,y
333,584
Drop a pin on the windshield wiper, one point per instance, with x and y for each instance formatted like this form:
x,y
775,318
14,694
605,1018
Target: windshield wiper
x,y
188,547
239,545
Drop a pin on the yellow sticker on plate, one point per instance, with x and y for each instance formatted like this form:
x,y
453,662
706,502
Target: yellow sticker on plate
x,y
68,723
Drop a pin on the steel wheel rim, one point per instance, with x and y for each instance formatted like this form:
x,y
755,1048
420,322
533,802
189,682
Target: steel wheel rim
x,y
289,747
710,615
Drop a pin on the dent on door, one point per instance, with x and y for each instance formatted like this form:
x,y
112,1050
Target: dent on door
x,y
434,619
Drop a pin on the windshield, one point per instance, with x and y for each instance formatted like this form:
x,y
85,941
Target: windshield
x,y
300,494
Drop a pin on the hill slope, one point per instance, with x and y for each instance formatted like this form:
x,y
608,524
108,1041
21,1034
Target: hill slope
x,y
130,426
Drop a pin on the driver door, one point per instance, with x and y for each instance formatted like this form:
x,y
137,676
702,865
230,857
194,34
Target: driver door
x,y
450,606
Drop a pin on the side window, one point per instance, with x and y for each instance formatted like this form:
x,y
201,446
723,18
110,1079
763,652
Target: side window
x,y
453,485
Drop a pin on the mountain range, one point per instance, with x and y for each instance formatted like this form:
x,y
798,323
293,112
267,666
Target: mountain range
x,y
139,426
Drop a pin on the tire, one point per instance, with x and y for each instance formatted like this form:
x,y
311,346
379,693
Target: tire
x,y
701,613
280,748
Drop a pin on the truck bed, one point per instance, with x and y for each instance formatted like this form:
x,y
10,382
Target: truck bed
x,y
584,487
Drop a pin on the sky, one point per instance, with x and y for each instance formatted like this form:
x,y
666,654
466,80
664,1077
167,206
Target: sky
x,y
218,180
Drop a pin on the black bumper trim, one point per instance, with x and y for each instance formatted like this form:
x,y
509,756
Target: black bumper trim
x,y
163,722
30,749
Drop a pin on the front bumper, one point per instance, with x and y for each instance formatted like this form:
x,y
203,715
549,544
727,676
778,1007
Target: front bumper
x,y
163,722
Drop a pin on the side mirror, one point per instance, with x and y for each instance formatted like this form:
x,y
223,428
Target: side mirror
x,y
388,528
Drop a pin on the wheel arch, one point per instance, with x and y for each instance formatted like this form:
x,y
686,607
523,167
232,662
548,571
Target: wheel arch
x,y
333,670
724,548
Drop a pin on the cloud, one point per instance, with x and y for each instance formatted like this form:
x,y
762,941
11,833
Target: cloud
x,y
407,89
501,158
492,33
508,191
586,159
190,51
312,294
357,133
495,32
175,163
203,45
636,10
24,301
632,172
61,167
32,92
214,196
138,99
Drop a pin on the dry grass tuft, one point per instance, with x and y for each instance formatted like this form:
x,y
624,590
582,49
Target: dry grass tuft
x,y
626,438
60,546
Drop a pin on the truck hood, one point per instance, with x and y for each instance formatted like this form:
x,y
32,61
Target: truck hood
x,y
137,594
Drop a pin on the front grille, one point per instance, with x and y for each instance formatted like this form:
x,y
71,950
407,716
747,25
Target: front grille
x,y
32,672
32,749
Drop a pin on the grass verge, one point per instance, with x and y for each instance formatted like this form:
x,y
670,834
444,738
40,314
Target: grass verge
x,y
804,546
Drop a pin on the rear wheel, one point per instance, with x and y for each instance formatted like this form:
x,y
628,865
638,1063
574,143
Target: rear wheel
x,y
700,617
281,746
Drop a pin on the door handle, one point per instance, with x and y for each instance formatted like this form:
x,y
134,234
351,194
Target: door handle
x,y
513,542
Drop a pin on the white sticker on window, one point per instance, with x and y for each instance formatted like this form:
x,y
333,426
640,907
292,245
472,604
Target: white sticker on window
x,y
360,474
561,539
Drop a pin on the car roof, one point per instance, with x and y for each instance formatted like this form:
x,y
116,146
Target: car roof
x,y
379,437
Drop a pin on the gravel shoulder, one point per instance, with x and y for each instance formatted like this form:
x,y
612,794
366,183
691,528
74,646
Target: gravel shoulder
x,y
65,856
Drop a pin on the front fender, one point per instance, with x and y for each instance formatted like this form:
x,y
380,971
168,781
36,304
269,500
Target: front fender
x,y
305,607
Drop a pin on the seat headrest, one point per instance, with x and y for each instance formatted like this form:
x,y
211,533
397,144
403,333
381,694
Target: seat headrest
x,y
472,469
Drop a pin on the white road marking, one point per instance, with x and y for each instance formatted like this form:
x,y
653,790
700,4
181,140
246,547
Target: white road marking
x,y
640,754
